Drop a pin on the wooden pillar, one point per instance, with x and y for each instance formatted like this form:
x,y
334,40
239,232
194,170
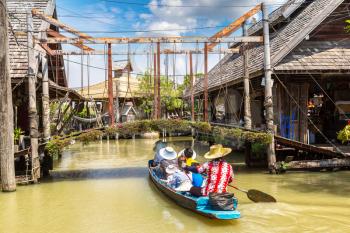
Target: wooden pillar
x,y
271,156
191,88
45,98
33,112
155,84
205,113
117,100
110,87
247,110
303,119
7,164
159,109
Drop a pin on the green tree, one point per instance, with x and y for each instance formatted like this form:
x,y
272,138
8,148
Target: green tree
x,y
171,98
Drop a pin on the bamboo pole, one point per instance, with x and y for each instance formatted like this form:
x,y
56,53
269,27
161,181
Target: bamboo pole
x,y
271,156
110,87
7,165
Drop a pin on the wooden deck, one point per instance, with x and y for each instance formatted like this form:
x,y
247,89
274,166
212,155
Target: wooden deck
x,y
311,148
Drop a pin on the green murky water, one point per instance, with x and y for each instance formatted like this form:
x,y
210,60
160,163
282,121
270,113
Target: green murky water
x,y
109,191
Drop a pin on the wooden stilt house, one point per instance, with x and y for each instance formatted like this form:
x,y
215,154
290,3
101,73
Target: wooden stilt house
x,y
37,77
310,55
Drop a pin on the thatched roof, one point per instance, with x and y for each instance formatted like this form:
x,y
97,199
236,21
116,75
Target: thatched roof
x,y
300,20
99,91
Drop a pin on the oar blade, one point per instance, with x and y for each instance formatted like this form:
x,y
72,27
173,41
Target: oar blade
x,y
258,196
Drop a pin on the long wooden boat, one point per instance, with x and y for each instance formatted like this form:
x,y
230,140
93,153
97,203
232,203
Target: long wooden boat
x,y
198,205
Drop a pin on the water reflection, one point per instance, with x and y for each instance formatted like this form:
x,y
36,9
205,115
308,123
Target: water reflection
x,y
104,187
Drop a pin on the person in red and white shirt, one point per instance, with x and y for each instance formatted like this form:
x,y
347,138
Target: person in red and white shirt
x,y
219,172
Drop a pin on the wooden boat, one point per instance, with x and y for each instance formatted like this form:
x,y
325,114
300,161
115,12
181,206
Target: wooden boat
x,y
196,204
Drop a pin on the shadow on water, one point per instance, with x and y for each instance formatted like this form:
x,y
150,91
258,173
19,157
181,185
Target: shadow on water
x,y
172,206
336,183
103,173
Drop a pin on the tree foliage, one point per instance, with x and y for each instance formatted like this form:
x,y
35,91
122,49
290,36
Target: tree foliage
x,y
170,97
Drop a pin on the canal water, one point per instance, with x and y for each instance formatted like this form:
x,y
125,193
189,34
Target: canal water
x,y
104,187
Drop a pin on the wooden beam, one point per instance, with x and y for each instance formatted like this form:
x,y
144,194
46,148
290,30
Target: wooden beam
x,y
246,83
234,26
155,90
268,103
315,164
159,109
59,35
7,164
45,98
205,82
47,49
191,88
55,34
110,87
140,40
57,23
165,51
32,108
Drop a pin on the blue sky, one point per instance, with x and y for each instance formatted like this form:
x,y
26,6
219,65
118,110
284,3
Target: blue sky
x,y
103,18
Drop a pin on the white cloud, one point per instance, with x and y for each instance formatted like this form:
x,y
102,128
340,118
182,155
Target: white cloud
x,y
164,25
214,13
112,18
115,10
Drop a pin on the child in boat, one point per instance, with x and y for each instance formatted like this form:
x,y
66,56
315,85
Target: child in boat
x,y
187,157
220,173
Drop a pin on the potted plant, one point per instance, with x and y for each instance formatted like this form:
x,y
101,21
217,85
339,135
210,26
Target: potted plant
x,y
344,134
16,136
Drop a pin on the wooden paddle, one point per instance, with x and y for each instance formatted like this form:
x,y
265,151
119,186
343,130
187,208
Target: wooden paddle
x,y
256,195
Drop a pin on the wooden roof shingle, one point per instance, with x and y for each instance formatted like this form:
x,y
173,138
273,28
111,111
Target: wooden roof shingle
x,y
230,68
18,44
317,55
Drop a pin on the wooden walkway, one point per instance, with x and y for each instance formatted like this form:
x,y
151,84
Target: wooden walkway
x,y
329,151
